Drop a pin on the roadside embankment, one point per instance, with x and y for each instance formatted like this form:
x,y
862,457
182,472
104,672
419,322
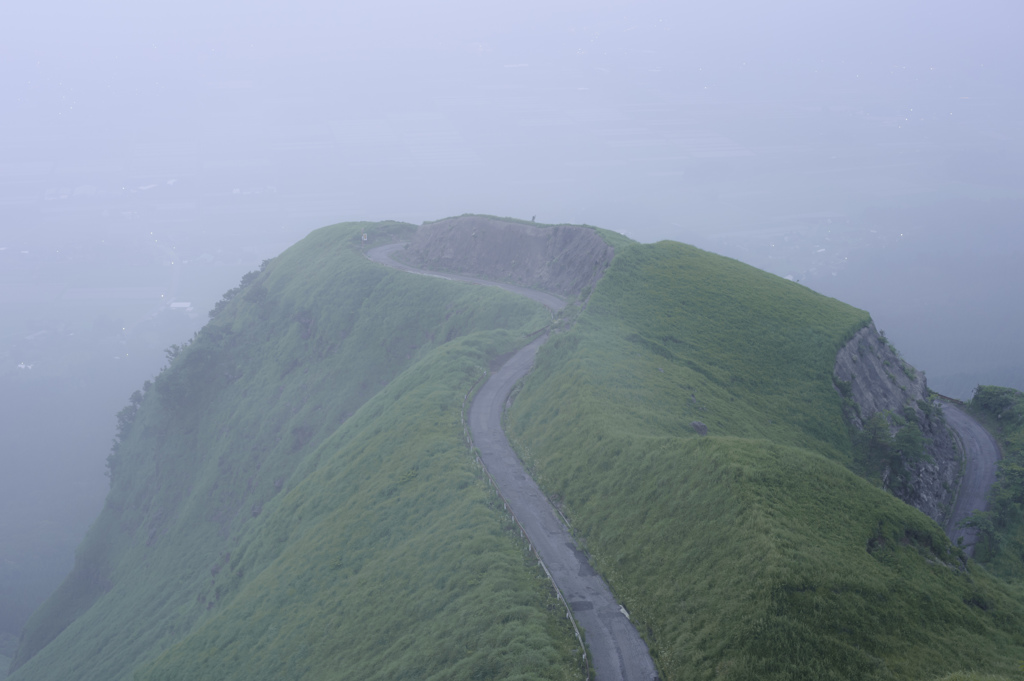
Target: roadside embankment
x,y
562,259
876,380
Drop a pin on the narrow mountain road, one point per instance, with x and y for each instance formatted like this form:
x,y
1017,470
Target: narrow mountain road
x,y
981,454
617,651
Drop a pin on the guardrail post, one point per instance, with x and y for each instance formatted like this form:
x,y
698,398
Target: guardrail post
x,y
488,480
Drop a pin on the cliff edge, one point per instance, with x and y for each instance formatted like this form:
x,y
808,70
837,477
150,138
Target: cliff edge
x,y
875,380
563,259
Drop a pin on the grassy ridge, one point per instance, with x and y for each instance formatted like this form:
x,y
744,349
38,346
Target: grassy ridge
x,y
753,552
390,560
733,347
292,497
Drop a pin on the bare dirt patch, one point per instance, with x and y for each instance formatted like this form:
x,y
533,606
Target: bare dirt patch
x,y
561,259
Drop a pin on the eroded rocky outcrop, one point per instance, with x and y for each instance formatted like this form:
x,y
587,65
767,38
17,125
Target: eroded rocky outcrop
x,y
563,259
875,379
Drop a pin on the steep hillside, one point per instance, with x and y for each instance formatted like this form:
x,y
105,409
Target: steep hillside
x,y
902,439
563,259
751,552
294,497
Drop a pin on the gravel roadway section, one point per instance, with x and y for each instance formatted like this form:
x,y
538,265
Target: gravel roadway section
x,y
616,649
981,456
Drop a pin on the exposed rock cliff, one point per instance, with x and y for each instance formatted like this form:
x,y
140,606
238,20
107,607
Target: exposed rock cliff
x,y
876,379
562,259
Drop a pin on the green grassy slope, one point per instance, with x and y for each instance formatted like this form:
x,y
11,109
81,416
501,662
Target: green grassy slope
x,y
293,498
752,552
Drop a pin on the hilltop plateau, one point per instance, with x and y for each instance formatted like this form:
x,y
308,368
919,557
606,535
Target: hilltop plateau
x,y
748,465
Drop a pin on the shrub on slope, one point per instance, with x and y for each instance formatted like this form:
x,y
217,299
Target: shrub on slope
x,y
1001,529
752,552
258,494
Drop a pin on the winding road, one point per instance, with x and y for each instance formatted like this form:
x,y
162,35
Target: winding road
x,y
981,456
617,651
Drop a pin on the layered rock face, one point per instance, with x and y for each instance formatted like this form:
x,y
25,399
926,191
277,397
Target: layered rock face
x,y
563,259
870,372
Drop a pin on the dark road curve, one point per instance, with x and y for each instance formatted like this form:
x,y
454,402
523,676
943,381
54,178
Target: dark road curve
x,y
981,456
616,649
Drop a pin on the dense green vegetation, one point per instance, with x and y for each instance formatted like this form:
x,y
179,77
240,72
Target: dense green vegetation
x,y
293,497
752,552
1001,529
877,449
973,676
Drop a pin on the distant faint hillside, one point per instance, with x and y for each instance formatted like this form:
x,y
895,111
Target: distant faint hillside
x,y
961,386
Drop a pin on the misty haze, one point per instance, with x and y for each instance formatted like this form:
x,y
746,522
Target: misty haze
x,y
151,157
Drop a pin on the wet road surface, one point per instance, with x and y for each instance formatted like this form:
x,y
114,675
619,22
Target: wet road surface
x,y
981,455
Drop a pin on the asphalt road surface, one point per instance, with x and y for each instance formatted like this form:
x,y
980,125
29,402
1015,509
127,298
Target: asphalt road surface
x,y
617,651
981,454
